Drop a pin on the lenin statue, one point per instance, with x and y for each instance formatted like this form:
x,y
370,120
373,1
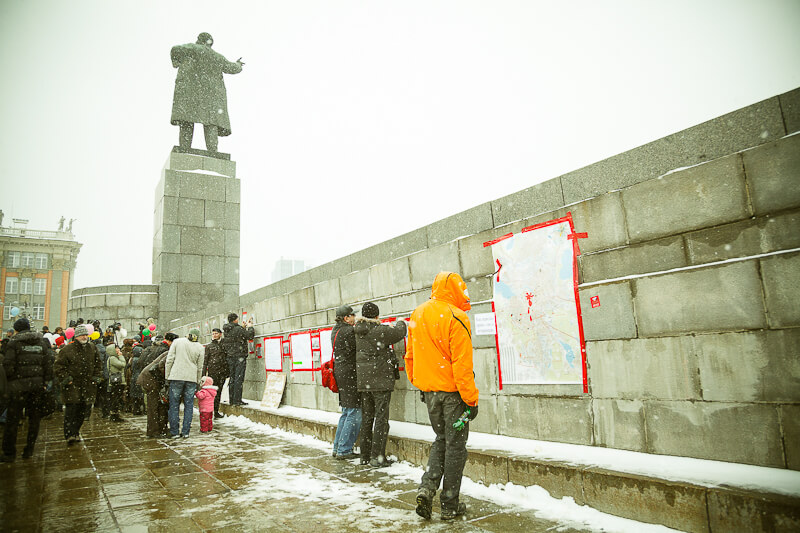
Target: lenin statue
x,y
200,95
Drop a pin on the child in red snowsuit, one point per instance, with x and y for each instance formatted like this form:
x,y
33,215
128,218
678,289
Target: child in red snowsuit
x,y
205,403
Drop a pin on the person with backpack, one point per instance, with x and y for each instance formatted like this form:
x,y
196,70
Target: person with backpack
x,y
376,372
28,365
343,339
439,363
152,380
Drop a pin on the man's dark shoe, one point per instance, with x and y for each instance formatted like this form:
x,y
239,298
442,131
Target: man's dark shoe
x,y
424,504
452,514
364,461
71,441
219,415
7,459
242,403
375,463
27,453
347,456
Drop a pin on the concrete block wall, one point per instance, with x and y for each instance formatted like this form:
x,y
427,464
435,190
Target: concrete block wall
x,y
126,304
195,233
694,253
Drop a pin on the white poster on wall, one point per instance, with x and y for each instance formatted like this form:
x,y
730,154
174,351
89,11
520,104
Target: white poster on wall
x,y
300,344
273,353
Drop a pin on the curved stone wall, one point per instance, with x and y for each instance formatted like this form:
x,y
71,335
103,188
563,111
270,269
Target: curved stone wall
x,y
126,304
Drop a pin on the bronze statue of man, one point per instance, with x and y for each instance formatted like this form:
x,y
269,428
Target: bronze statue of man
x,y
200,95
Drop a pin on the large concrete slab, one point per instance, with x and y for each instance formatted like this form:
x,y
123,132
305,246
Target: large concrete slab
x,y
757,366
355,287
773,175
540,198
619,424
427,263
707,299
327,294
661,367
781,276
710,425
390,278
698,197
653,256
613,317
463,224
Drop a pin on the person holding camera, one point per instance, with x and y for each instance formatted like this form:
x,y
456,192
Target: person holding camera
x,y
439,363
235,345
116,380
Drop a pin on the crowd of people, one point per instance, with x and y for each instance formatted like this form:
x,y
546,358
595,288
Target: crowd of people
x,y
78,369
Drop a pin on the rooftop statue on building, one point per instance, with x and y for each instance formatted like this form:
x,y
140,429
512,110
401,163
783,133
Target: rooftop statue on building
x,y
200,96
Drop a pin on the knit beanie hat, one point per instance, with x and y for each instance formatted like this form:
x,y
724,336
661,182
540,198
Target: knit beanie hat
x,y
22,324
207,381
194,334
81,329
369,310
59,340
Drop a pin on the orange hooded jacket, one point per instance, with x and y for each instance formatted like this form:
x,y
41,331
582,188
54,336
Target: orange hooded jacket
x,y
439,349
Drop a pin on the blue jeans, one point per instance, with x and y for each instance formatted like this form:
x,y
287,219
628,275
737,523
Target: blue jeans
x,y
236,368
347,430
181,390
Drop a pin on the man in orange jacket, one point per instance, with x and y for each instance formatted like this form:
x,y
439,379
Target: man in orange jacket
x,y
439,363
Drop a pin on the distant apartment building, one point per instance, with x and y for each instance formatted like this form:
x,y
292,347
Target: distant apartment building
x,y
36,274
285,268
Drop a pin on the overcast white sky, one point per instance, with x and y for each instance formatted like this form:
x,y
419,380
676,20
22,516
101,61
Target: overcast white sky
x,y
356,121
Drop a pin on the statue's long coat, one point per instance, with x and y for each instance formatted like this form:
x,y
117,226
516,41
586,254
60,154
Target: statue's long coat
x,y
200,95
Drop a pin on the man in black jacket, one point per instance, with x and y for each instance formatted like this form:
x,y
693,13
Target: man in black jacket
x,y
376,371
343,339
235,346
156,411
28,364
216,366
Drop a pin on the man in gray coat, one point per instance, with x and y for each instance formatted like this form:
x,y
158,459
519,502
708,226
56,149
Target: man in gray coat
x,y
184,368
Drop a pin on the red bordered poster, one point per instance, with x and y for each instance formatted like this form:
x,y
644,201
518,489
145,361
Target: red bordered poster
x,y
537,308
325,346
300,349
272,348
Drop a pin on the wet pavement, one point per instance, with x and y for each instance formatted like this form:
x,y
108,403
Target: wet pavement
x,y
237,478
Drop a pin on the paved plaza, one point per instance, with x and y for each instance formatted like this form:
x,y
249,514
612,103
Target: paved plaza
x,y
236,478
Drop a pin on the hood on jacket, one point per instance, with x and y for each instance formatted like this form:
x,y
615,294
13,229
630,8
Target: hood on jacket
x,y
111,350
28,337
449,287
362,325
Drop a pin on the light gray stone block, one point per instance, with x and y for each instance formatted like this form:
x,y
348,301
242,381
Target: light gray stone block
x,y
225,167
172,182
232,238
233,191
389,278
171,238
781,277
619,424
202,241
177,161
327,294
191,268
475,258
355,287
554,419
278,307
232,216
213,269
118,299
790,429
427,263
694,198
314,320
653,256
488,419
94,300
214,216
759,366
202,186
463,224
710,426
480,289
540,198
190,212
661,368
613,318
301,301
484,364
329,271
602,219
232,272
707,299
168,297
193,297
409,302
773,175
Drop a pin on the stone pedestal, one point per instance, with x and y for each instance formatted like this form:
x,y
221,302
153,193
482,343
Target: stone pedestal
x,y
195,234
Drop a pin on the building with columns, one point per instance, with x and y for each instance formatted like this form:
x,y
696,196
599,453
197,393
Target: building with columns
x,y
36,274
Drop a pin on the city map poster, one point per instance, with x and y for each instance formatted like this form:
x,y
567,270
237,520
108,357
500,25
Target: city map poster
x,y
537,310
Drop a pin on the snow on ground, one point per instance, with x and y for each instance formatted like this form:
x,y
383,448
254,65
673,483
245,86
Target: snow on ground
x,y
308,485
702,472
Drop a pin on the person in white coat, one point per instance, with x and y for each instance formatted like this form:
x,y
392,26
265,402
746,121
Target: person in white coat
x,y
184,368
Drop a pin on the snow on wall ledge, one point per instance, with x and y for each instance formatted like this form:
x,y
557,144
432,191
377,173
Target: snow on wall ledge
x,y
686,349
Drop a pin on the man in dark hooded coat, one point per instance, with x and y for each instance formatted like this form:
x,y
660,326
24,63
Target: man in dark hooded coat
x,y
200,95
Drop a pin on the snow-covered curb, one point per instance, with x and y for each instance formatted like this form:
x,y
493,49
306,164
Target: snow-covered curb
x,y
701,472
